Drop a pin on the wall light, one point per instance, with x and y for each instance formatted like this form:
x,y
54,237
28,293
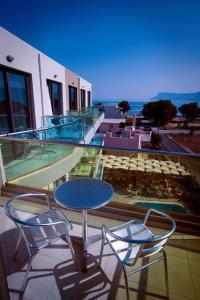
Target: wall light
x,y
55,76
10,58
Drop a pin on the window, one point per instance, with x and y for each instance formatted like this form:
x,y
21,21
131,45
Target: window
x,y
82,98
15,108
89,98
55,92
72,98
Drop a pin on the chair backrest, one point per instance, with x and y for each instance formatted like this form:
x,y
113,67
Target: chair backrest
x,y
14,214
136,236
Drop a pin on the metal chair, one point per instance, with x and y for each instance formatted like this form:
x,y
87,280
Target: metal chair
x,y
39,231
133,240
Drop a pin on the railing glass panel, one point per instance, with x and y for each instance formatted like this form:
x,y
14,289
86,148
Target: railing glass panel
x,y
170,182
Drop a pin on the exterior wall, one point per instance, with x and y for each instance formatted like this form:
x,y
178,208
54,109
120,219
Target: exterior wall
x,y
51,70
73,80
40,67
121,142
106,127
87,86
26,60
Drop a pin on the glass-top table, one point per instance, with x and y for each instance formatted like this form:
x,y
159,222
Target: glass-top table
x,y
83,194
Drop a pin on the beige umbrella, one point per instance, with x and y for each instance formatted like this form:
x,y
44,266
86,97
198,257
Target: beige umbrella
x,y
140,169
111,156
132,165
124,167
116,163
185,173
174,172
165,168
118,158
125,157
140,163
157,170
180,170
117,167
110,161
134,160
167,172
109,166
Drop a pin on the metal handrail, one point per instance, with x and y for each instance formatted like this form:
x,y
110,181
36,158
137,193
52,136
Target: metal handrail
x,y
8,205
133,150
150,240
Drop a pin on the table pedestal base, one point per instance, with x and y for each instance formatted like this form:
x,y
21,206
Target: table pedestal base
x,y
80,252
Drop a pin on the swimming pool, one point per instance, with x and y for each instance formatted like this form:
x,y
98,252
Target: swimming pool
x,y
171,207
97,141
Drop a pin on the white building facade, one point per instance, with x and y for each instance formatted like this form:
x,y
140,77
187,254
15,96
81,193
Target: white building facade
x,y
33,85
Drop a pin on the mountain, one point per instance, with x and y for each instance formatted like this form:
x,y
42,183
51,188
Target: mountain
x,y
189,97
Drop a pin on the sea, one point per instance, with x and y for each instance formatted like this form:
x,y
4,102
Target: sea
x,y
137,106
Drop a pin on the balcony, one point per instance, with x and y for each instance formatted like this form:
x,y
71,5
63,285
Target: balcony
x,y
53,275
75,127
169,181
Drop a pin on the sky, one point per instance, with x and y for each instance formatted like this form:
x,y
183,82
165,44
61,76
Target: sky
x,y
127,49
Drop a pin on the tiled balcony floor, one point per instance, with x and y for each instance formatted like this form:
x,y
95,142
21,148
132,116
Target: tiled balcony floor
x,y
53,275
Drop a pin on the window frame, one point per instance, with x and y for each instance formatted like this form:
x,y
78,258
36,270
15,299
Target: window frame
x,y
76,102
60,92
29,90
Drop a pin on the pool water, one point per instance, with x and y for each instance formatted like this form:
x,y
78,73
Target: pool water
x,y
97,141
163,206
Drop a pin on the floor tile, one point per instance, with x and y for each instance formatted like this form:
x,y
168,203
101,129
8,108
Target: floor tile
x,y
192,247
195,271
180,281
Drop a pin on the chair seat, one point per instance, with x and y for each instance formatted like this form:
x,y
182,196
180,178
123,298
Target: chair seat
x,y
39,237
126,251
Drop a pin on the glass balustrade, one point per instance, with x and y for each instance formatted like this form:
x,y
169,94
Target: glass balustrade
x,y
142,179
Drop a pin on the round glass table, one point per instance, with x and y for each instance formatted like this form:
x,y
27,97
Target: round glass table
x,y
83,194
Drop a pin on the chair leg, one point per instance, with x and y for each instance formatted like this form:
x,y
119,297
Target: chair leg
x,y
101,252
27,271
17,246
166,275
68,239
126,283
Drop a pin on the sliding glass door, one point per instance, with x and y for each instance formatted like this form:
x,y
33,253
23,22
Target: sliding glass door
x,y
4,116
55,92
15,108
82,98
72,98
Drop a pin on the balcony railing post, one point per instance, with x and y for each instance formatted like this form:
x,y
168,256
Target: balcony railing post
x,y
2,171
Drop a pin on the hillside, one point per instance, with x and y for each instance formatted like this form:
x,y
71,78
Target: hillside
x,y
189,97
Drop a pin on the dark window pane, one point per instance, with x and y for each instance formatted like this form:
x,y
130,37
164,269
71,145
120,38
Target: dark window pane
x,y
72,98
18,91
89,98
55,97
3,108
82,98
2,88
55,89
4,127
21,122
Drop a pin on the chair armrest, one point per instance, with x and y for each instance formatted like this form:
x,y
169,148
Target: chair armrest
x,y
159,213
34,224
131,240
31,195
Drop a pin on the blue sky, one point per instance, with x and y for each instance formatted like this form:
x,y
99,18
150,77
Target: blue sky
x,y
127,49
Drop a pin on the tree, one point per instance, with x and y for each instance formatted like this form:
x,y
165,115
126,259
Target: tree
x,y
161,111
190,111
124,106
156,139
